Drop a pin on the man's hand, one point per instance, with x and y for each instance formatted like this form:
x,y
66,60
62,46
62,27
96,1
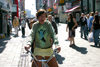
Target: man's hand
x,y
58,49
27,47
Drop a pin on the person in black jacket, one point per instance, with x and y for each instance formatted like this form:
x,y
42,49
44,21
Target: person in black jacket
x,y
83,23
53,24
50,18
57,19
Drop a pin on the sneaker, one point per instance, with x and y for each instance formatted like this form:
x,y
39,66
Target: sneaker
x,y
94,46
73,44
70,45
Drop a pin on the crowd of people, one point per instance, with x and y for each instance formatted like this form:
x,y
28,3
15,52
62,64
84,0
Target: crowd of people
x,y
90,23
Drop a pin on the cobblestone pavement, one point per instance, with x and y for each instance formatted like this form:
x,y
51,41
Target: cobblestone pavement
x,y
81,55
12,53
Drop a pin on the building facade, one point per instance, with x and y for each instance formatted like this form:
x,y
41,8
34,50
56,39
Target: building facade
x,y
66,5
97,6
15,9
39,4
9,9
22,12
5,14
88,6
46,4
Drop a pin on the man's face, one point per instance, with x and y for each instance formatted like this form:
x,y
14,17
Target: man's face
x,y
96,13
50,18
42,18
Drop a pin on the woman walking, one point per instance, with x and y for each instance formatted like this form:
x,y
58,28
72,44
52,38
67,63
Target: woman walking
x,y
15,25
71,25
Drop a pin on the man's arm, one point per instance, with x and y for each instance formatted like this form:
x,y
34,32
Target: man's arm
x,y
31,38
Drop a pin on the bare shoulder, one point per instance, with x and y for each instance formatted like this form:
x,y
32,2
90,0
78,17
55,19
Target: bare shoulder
x,y
74,19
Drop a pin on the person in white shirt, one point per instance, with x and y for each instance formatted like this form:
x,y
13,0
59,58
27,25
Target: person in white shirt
x,y
88,21
23,25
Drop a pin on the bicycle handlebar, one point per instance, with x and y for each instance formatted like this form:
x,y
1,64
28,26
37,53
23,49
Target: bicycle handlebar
x,y
42,60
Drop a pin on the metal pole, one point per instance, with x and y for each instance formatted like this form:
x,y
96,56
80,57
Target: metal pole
x,y
88,6
82,6
93,6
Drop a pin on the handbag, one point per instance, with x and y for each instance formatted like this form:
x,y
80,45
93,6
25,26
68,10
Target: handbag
x,y
90,37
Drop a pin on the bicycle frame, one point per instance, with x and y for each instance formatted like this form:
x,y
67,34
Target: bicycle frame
x,y
43,61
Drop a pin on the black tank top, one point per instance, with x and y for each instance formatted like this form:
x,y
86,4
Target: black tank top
x,y
70,25
96,24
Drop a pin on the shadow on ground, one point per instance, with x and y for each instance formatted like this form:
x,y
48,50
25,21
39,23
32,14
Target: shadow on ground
x,y
23,36
95,46
59,58
3,43
82,50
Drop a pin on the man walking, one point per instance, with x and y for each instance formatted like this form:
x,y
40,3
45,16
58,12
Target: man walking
x,y
23,25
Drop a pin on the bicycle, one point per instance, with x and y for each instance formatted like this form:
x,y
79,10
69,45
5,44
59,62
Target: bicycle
x,y
44,62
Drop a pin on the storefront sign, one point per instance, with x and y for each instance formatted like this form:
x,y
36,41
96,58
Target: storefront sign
x,y
14,8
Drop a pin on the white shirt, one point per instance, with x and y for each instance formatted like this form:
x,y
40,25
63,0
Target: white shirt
x,y
23,23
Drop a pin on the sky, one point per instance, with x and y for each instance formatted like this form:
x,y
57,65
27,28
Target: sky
x,y
30,7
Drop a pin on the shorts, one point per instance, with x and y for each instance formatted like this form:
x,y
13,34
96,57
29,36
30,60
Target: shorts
x,y
71,33
43,52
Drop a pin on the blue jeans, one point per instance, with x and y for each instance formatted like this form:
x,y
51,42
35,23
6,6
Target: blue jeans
x,y
84,31
96,35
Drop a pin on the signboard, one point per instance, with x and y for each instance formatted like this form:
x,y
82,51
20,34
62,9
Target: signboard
x,y
14,8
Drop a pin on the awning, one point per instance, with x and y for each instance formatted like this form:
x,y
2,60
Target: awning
x,y
72,9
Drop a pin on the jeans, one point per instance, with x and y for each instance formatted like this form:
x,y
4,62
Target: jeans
x,y
96,35
84,31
